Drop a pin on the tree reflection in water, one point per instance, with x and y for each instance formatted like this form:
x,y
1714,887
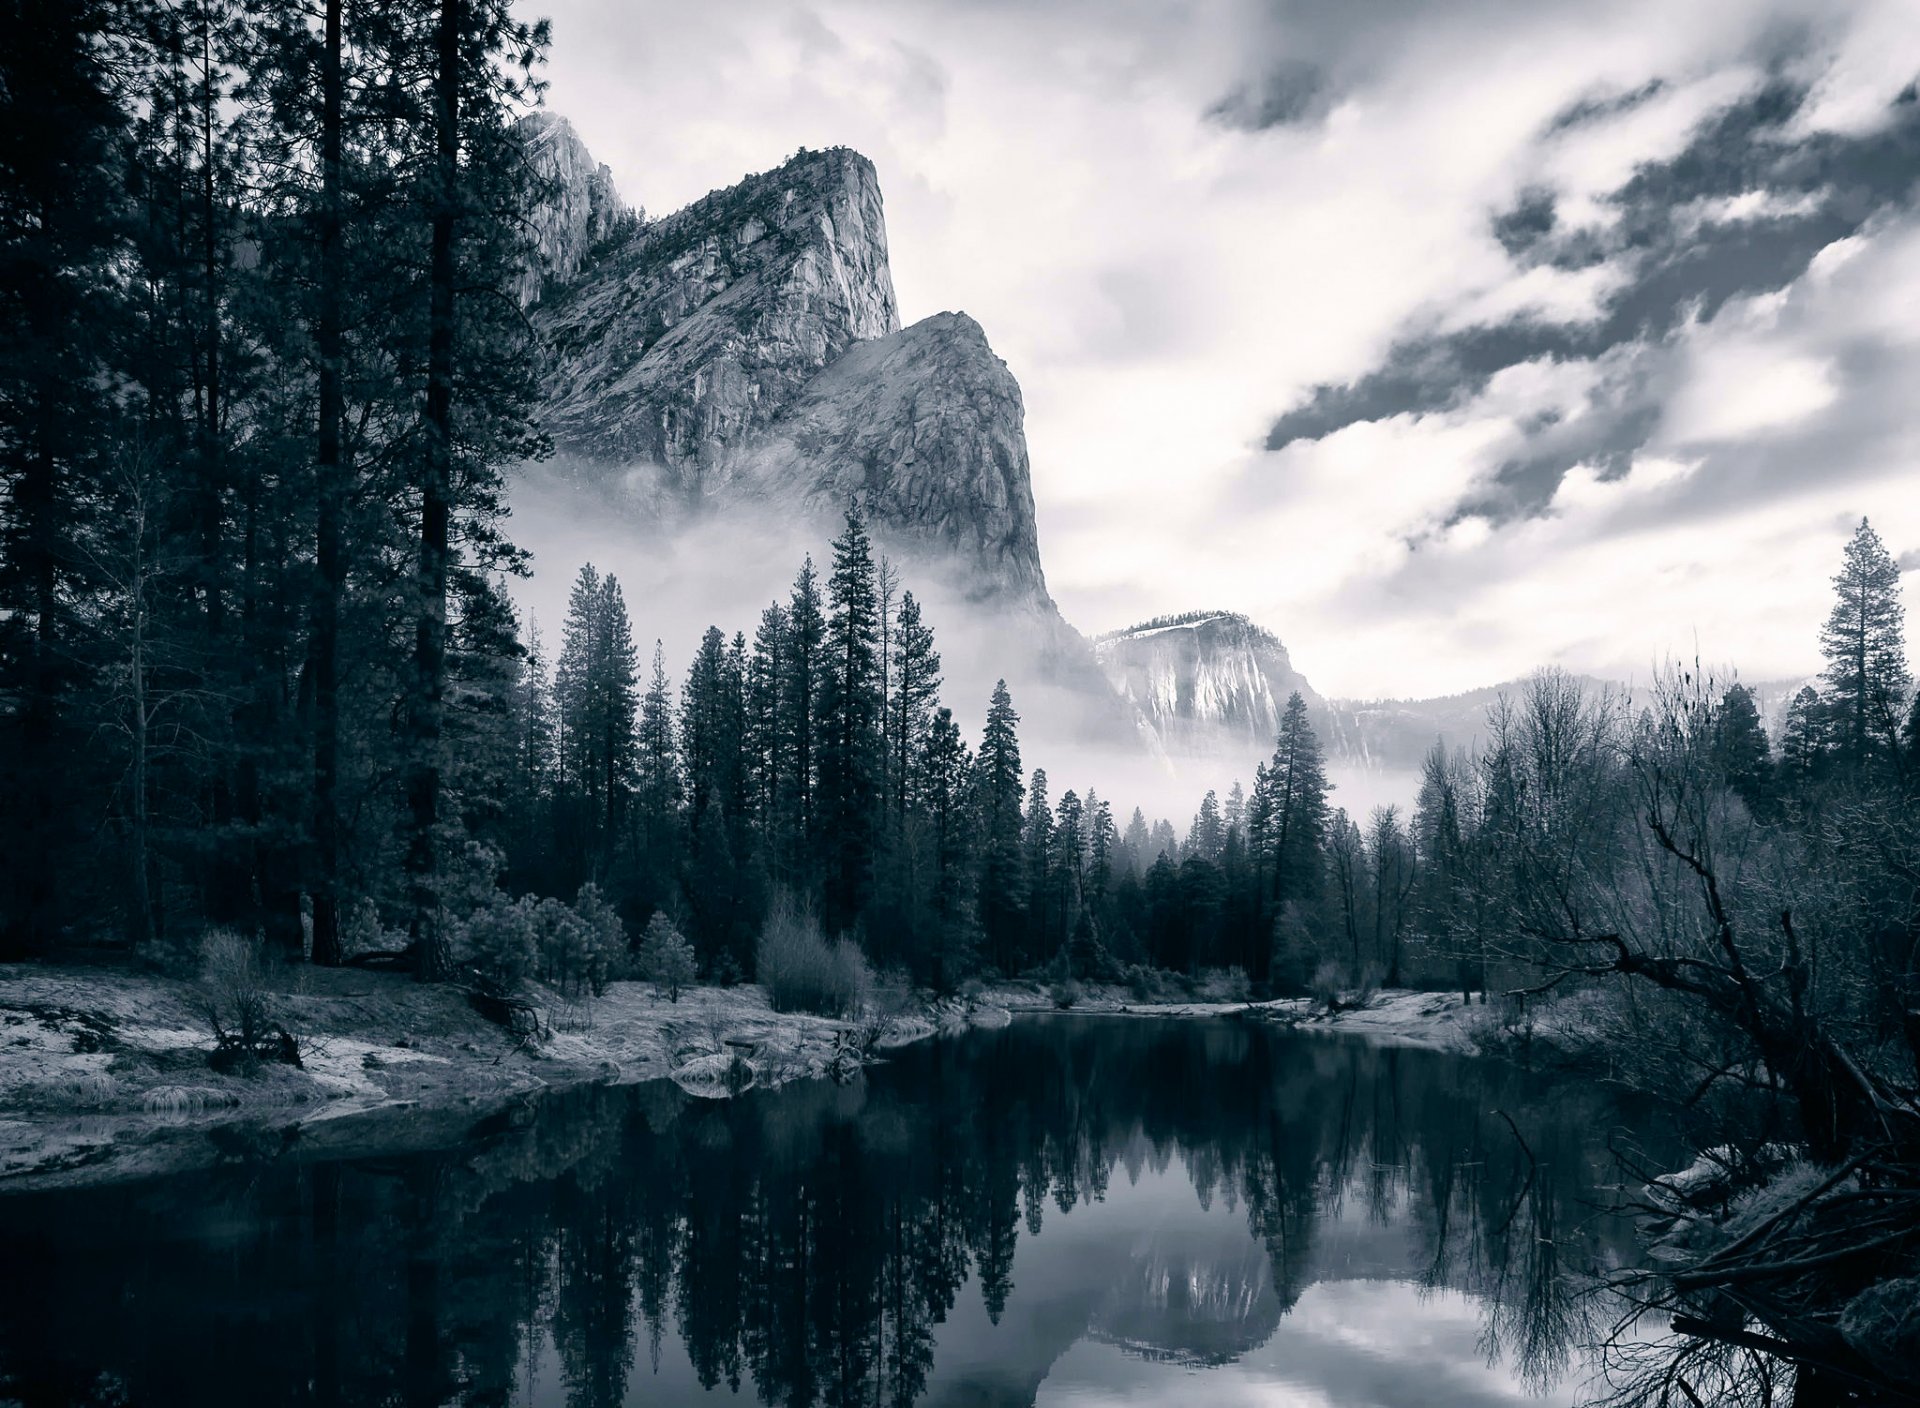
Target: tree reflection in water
x,y
809,1246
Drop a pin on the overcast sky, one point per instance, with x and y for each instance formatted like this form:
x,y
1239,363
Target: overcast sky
x,y
1443,339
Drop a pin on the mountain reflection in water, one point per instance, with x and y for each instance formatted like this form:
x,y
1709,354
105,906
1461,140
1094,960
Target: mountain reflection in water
x,y
1067,1210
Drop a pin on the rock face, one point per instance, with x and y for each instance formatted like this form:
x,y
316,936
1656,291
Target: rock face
x,y
925,428
578,207
742,361
683,343
1208,682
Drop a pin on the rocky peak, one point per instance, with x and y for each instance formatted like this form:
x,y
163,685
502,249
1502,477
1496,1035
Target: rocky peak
x,y
925,428
1206,681
577,207
746,353
700,328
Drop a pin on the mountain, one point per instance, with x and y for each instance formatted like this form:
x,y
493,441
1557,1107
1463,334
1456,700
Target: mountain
x,y
1208,682
578,208
720,383
682,342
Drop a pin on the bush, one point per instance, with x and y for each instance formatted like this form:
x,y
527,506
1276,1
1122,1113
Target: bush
x,y
501,939
574,947
238,1004
803,972
1223,985
1371,977
1329,981
666,958
1064,993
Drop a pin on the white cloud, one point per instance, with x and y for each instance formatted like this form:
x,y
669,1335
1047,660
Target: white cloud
x,y
1742,387
1163,285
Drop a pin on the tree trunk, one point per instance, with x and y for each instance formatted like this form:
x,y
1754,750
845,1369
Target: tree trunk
x,y
323,661
142,928
431,960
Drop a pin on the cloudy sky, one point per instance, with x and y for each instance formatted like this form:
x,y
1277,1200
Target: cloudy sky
x,y
1444,339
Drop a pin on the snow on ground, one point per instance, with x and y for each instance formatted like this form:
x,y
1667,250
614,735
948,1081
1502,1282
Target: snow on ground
x,y
104,1073
1435,1021
98,1068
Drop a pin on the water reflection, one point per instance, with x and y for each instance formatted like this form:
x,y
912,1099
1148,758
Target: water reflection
x,y
1070,1209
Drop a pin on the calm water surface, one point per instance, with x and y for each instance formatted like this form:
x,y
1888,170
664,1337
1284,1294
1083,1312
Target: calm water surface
x,y
1069,1211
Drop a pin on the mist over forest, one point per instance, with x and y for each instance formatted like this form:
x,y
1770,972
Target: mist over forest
x,y
518,707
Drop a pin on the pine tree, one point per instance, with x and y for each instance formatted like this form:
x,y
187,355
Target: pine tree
x,y
1236,809
1102,843
710,742
1295,808
62,224
1136,842
1865,645
1805,739
916,693
594,687
803,669
477,61
946,769
1208,834
1037,860
850,749
765,720
1070,853
998,793
1740,751
659,773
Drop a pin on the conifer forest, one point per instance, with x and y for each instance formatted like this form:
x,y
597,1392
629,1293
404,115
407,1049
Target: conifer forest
x,y
516,1006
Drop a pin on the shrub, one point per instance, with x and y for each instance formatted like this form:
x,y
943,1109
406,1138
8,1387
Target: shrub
x,y
1223,985
501,939
238,1004
1371,977
1064,993
803,972
1329,981
666,958
603,937
1140,984
574,947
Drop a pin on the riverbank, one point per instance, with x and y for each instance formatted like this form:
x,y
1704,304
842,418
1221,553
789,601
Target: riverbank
x,y
105,1074
1561,1029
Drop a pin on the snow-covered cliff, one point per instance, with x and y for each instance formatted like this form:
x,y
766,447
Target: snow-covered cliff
x,y
1209,682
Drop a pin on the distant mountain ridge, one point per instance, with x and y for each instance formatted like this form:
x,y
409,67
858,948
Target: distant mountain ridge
x,y
1206,682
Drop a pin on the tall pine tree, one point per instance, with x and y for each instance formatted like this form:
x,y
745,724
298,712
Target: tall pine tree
x,y
1865,645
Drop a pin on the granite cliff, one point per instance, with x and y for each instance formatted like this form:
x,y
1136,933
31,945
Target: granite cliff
x,y
576,208
742,361
1210,683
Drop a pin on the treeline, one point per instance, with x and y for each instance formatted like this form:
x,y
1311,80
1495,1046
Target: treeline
x,y
260,372
1301,894
816,767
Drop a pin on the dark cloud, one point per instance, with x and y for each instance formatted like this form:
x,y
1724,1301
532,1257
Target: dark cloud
x,y
1680,265
1529,222
1294,91
1593,108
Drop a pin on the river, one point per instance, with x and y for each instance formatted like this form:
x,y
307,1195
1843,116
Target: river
x,y
1070,1210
